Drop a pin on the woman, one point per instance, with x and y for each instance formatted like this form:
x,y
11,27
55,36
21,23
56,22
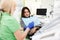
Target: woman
x,y
26,19
9,27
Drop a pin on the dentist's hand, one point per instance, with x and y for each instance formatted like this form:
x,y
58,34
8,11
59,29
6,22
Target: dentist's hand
x,y
30,26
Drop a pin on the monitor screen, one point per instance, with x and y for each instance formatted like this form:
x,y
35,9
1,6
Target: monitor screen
x,y
41,12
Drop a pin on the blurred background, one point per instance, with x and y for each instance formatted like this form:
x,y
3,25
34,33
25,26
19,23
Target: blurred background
x,y
47,6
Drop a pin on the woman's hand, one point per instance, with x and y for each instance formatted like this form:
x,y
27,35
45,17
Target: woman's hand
x,y
33,30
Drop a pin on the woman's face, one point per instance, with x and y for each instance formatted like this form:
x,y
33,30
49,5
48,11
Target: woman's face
x,y
26,13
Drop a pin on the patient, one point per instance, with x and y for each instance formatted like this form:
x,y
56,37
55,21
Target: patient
x,y
26,19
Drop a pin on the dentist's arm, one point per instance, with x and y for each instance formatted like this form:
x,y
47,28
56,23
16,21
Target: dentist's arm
x,y
20,36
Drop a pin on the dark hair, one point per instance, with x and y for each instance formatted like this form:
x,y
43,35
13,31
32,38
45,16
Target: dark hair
x,y
22,13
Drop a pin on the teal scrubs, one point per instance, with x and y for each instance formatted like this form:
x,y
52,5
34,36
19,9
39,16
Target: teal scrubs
x,y
8,26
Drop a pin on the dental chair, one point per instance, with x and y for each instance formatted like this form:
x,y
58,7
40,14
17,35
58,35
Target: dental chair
x,y
49,32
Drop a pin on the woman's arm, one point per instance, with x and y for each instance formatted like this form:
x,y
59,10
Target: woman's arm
x,y
20,36
33,30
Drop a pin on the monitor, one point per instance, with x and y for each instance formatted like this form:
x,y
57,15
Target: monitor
x,y
41,11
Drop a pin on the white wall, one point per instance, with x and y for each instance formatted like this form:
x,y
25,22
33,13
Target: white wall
x,y
56,9
47,4
17,13
34,4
